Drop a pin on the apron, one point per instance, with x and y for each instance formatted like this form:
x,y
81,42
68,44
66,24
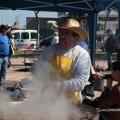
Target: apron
x,y
63,66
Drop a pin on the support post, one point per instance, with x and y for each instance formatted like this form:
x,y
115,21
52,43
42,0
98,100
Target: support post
x,y
119,17
92,23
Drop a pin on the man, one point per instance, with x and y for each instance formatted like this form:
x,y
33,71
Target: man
x,y
110,47
4,51
55,39
70,61
12,47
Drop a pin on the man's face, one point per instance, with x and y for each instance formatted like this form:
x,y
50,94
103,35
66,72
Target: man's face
x,y
9,28
66,39
116,75
107,33
3,31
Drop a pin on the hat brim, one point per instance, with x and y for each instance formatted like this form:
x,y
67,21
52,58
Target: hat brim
x,y
9,26
80,31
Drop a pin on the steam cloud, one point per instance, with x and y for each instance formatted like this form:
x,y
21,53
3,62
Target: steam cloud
x,y
50,104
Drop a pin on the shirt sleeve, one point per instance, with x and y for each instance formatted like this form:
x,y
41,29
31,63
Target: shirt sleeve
x,y
112,98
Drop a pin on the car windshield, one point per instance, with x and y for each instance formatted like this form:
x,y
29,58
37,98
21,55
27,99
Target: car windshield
x,y
16,35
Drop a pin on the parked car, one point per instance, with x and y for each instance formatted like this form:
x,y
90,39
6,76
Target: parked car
x,y
23,38
41,38
45,42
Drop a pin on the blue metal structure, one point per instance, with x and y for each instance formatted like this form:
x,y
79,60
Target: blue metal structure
x,y
91,7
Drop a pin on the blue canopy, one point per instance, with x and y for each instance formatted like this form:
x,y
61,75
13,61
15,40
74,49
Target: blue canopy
x,y
82,6
91,7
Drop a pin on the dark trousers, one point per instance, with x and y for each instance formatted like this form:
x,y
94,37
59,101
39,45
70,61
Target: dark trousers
x,y
118,55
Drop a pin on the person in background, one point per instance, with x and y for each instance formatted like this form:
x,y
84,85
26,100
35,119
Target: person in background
x,y
118,48
70,61
110,97
83,45
110,47
12,47
55,39
30,47
4,51
117,32
118,44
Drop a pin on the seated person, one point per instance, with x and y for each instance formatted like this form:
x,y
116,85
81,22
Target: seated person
x,y
110,97
89,89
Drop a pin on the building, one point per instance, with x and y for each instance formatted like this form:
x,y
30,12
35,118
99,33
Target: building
x,y
44,17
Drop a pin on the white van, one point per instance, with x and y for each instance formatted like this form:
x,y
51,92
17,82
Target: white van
x,y
23,38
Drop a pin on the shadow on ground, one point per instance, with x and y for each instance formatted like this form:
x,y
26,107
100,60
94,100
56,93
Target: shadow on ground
x,y
23,70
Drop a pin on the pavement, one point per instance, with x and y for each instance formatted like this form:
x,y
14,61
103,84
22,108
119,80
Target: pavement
x,y
20,70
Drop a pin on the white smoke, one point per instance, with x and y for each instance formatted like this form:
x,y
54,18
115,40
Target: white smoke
x,y
50,104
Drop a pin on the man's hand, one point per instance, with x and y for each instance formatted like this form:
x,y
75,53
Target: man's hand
x,y
57,86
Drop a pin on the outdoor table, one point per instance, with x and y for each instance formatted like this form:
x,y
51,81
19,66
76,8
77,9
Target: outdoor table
x,y
29,63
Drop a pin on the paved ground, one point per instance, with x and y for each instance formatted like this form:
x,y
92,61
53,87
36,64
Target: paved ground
x,y
18,72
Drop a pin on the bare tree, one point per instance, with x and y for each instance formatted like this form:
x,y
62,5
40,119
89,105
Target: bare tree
x,y
79,17
108,11
38,28
106,18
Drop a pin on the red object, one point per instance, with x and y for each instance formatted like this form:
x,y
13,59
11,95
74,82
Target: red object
x,y
92,77
29,47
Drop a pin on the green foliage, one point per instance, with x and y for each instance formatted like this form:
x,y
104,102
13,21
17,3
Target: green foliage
x,y
21,53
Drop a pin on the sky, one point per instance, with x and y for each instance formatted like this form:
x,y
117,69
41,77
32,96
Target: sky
x,y
10,16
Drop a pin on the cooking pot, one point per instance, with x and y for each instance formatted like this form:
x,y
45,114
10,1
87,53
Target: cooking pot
x,y
91,110
87,112
27,92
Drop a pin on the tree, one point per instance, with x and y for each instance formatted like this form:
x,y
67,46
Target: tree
x,y
80,18
107,11
38,28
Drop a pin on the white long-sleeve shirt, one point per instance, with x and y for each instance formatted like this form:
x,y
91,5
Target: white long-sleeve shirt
x,y
80,66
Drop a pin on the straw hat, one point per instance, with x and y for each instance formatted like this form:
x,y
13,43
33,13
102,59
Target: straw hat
x,y
55,33
74,26
9,26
